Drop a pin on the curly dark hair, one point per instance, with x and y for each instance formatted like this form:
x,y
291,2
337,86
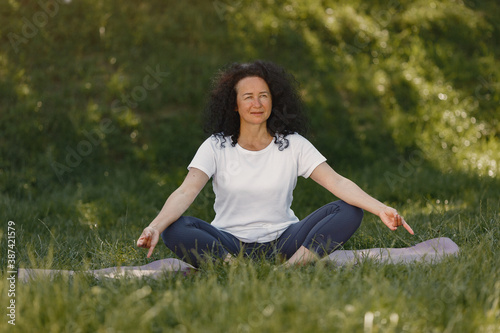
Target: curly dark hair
x,y
287,114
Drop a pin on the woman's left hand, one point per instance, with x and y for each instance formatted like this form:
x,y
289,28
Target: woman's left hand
x,y
393,220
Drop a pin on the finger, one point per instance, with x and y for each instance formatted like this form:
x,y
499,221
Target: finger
x,y
407,227
143,241
392,227
145,238
154,241
399,219
150,252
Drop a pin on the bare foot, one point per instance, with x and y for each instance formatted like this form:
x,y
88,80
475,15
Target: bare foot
x,y
229,259
301,257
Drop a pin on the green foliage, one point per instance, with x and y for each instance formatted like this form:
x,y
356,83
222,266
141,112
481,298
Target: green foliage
x,y
377,78
100,113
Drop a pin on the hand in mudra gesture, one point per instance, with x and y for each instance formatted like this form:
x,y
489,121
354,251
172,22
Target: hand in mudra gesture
x,y
149,238
393,220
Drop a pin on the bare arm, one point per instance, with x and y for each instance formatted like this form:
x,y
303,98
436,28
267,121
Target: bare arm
x,y
177,203
351,193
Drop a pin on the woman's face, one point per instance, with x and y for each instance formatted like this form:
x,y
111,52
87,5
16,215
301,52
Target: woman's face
x,y
253,99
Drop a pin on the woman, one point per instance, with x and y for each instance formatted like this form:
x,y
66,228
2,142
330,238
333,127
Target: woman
x,y
254,155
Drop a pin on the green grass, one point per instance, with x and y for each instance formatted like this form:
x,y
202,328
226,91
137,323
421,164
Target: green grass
x,y
95,226
403,98
259,296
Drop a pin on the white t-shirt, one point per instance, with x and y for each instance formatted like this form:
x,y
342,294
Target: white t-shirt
x,y
253,189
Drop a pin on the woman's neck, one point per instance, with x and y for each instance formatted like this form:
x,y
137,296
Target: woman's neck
x,y
254,137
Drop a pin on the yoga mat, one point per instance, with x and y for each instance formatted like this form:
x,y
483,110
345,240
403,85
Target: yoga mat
x,y
153,269
432,251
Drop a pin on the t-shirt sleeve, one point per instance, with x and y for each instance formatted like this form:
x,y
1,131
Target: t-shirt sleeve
x,y
204,159
308,157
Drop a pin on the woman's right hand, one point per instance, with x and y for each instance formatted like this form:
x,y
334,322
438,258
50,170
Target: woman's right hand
x,y
393,220
149,238
174,207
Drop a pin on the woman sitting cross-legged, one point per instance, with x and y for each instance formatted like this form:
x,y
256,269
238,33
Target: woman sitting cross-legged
x,y
254,155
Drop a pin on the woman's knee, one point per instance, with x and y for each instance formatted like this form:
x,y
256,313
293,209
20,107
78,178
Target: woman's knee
x,y
176,228
355,213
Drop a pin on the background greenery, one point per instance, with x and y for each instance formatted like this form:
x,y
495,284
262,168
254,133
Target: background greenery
x,y
403,98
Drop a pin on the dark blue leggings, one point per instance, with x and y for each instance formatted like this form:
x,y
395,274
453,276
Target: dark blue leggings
x,y
323,231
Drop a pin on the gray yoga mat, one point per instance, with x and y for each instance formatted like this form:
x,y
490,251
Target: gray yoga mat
x,y
432,251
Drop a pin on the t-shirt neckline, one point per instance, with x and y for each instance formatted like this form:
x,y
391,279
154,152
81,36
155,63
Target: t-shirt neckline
x,y
255,152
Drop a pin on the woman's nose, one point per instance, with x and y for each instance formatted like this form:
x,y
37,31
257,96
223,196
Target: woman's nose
x,y
257,103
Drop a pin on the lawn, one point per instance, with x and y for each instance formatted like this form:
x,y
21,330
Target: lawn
x,y
95,225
